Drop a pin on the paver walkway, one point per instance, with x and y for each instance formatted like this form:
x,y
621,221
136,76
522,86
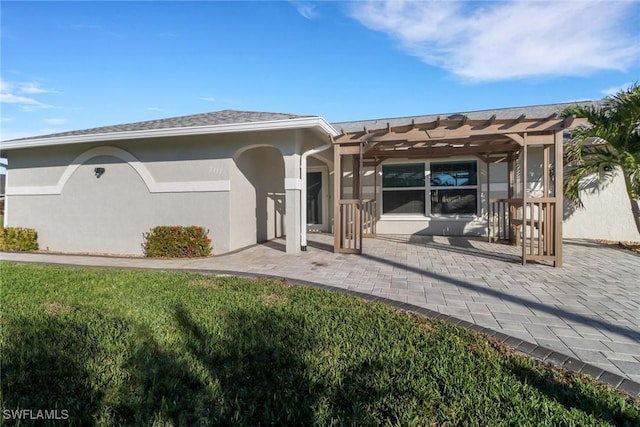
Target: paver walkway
x,y
589,309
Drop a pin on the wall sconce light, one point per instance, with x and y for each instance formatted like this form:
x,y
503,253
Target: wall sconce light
x,y
99,172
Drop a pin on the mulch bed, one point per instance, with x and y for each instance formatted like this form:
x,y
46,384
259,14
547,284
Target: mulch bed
x,y
632,246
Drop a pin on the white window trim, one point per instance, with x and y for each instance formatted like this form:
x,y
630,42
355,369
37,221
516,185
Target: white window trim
x,y
427,188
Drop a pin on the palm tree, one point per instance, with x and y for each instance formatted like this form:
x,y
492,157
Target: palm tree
x,y
608,143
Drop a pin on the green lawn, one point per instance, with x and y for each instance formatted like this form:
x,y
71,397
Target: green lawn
x,y
140,348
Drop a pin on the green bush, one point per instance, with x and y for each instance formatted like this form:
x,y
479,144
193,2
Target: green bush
x,y
177,242
18,239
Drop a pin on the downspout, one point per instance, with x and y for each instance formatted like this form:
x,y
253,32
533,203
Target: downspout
x,y
303,190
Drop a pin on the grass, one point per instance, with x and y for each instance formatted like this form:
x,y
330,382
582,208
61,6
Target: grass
x,y
118,347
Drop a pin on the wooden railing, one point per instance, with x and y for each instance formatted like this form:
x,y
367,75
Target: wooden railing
x,y
499,220
529,223
539,230
354,221
369,218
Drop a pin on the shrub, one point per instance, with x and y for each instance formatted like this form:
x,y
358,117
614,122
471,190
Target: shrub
x,y
18,239
177,242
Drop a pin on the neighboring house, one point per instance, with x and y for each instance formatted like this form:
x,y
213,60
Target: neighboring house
x,y
243,175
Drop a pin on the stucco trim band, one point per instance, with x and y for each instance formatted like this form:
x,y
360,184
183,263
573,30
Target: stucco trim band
x,y
139,167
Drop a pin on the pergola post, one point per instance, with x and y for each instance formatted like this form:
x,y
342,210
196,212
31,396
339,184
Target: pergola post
x,y
487,161
360,213
337,196
510,196
524,201
559,195
355,162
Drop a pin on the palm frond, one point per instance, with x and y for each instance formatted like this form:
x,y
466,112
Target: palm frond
x,y
609,141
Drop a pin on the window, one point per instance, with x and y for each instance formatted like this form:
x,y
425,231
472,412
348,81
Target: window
x,y
454,188
403,189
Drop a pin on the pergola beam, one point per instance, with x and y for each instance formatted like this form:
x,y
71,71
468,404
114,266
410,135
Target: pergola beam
x,y
491,120
454,129
443,151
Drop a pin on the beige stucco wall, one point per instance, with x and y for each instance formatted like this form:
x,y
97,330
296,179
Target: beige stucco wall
x,y
83,213
193,180
110,214
606,214
258,198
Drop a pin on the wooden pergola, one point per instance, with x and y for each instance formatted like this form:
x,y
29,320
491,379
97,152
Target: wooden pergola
x,y
535,223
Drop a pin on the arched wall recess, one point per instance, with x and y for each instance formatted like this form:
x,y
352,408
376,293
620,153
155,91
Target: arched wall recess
x,y
139,167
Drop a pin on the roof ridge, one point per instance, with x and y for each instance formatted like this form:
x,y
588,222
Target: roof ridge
x,y
228,110
211,118
522,107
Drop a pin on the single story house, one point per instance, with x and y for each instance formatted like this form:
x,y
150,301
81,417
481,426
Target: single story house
x,y
253,176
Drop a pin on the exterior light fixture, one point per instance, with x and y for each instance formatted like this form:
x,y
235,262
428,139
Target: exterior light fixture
x,y
99,172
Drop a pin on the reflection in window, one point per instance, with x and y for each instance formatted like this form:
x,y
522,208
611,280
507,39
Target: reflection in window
x,y
403,189
407,175
454,188
454,174
454,201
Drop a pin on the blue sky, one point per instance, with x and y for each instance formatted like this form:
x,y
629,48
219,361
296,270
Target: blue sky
x,y
74,65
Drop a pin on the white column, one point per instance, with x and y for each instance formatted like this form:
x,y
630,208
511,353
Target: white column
x,y
292,189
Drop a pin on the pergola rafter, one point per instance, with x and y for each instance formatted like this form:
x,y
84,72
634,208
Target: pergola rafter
x,y
492,140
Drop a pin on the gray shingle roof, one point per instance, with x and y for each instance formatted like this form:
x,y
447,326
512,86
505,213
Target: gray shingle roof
x,y
206,119
536,111
234,117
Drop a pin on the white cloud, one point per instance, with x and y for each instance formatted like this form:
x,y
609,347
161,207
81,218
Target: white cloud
x,y
25,103
305,8
33,88
208,98
508,39
154,109
12,93
94,29
616,89
56,122
5,86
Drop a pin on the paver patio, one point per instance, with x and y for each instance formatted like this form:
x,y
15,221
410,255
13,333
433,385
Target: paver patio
x,y
589,309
